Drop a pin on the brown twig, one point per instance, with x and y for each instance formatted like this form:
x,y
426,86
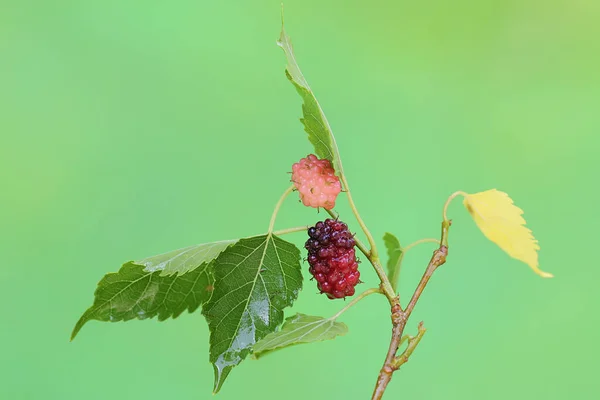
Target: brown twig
x,y
400,317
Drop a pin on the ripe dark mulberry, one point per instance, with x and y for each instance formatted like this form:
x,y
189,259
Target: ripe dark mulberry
x,y
333,262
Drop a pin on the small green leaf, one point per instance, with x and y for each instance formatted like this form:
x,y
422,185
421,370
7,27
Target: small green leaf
x,y
315,123
134,292
255,279
394,251
298,329
184,260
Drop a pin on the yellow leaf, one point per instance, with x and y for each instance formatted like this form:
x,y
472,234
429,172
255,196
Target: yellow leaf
x,y
502,223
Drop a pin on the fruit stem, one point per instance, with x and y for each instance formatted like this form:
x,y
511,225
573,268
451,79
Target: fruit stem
x,y
355,300
373,251
277,207
386,286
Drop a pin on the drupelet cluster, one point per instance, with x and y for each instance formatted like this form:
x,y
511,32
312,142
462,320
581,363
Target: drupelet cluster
x,y
316,182
332,258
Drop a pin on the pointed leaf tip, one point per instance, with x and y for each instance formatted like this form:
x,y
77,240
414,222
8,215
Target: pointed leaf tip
x,y
315,123
502,222
137,293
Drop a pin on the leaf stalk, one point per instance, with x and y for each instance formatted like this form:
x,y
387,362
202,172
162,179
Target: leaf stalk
x,y
355,300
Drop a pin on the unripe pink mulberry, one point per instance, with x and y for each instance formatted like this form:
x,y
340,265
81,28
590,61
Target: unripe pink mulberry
x,y
316,182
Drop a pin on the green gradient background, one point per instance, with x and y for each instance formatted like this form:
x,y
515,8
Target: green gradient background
x,y
129,128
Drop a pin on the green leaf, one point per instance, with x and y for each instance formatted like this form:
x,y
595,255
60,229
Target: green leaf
x,y
163,285
184,260
255,279
394,251
298,329
134,292
315,123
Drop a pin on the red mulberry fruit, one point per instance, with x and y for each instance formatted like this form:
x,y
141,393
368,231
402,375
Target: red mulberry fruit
x,y
332,259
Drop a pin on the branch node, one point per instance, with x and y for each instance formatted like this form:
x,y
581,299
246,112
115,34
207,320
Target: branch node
x,y
397,314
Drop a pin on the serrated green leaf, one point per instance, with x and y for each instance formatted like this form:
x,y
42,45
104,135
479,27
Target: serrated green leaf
x,y
300,328
394,251
184,260
134,292
255,279
314,120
